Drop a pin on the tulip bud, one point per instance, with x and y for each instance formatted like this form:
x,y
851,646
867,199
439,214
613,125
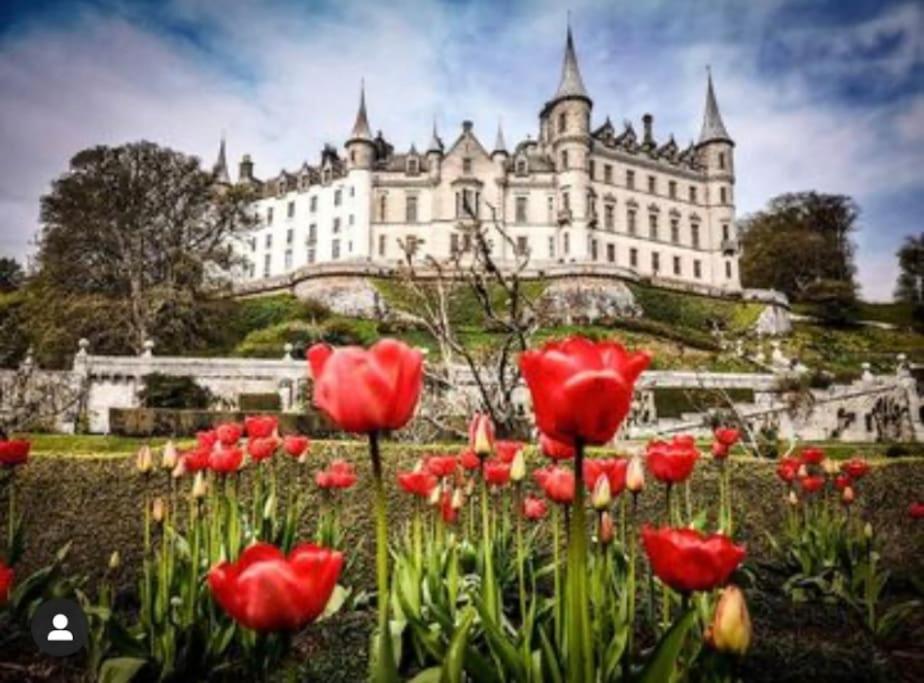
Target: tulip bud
x,y
605,530
179,470
847,495
635,475
200,486
802,471
793,499
518,467
303,458
830,467
435,495
144,461
469,486
482,435
115,560
731,625
158,510
868,530
169,459
458,499
601,497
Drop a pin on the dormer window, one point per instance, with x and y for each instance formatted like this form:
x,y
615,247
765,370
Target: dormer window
x,y
521,166
281,187
413,166
328,174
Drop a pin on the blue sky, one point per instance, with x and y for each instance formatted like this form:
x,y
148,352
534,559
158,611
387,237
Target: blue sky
x,y
822,95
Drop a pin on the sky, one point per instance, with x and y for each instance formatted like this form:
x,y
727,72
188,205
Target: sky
x,y
825,95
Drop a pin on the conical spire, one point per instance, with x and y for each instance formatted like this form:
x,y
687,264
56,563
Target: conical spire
x,y
361,130
499,144
436,145
571,85
713,128
220,169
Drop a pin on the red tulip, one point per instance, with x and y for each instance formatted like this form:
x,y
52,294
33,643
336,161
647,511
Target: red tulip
x,y
296,445
229,433
812,483
687,560
557,482
225,460
842,481
207,438
197,458
469,460
719,450
507,450
14,452
556,450
855,468
812,456
534,508
366,391
672,461
338,475
847,495
441,466
6,582
496,472
581,390
916,510
788,468
267,591
614,469
261,426
419,482
727,436
262,448
481,435
448,512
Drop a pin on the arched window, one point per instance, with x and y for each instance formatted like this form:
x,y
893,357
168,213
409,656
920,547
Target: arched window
x,y
562,122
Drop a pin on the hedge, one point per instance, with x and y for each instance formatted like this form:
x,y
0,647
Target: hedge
x,y
145,422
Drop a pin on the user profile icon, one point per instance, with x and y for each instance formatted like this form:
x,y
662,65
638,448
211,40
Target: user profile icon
x,y
59,627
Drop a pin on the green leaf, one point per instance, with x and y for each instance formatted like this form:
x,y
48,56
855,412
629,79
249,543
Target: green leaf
x,y
455,656
663,661
500,645
335,602
431,675
120,669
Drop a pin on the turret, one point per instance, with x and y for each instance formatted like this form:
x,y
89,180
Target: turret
x,y
245,170
360,146
715,146
220,169
434,154
499,155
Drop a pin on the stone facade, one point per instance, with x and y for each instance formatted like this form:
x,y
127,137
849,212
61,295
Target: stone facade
x,y
576,194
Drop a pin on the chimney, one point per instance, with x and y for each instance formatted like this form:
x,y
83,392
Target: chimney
x,y
467,126
245,169
647,121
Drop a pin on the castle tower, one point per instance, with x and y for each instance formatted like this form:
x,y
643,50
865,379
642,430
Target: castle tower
x,y
715,151
360,146
361,152
499,154
434,154
220,169
565,134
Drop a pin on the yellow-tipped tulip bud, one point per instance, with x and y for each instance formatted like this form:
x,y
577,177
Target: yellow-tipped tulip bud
x,y
830,467
731,625
115,560
458,499
635,475
602,496
179,470
793,499
170,457
435,495
518,467
144,461
847,495
158,510
481,435
605,531
868,530
200,486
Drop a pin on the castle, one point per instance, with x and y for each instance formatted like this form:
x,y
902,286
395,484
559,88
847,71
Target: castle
x,y
577,194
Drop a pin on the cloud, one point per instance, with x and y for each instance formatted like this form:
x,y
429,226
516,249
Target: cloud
x,y
282,78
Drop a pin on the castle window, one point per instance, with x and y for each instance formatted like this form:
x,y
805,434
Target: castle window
x,y
410,209
266,266
725,231
694,235
723,195
655,262
611,253
313,204
335,249
675,230
728,270
310,257
336,226
352,156
722,160
633,257
697,269
592,167
692,194
564,159
350,219
672,189
521,167
521,209
607,173
383,206
281,187
338,197
630,221
290,235
268,240
551,247
630,179
288,259
290,210
551,210
562,122
676,265
253,244
522,246
410,244
269,216
352,191
381,245
566,243
412,166
608,213
653,226
652,184
312,233
593,249
467,165
454,244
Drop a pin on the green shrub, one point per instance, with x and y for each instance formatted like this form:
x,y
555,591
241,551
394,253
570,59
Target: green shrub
x,y
258,403
833,301
169,391
673,403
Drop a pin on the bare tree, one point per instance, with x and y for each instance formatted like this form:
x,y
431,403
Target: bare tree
x,y
507,310
31,398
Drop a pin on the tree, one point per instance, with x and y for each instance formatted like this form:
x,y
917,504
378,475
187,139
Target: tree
x,y
134,239
910,285
797,240
11,275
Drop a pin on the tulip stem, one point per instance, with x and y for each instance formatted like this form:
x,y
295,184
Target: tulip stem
x,y
383,668
520,561
630,589
580,659
556,563
490,586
